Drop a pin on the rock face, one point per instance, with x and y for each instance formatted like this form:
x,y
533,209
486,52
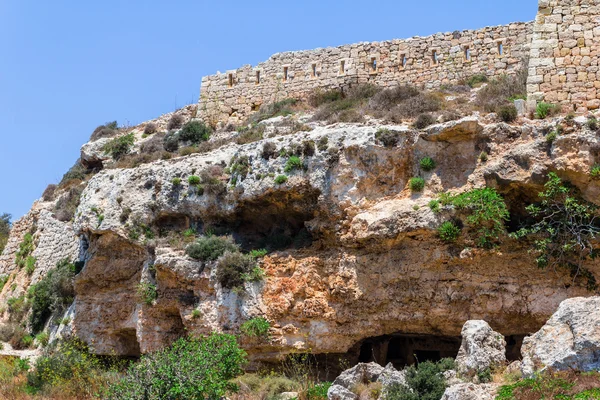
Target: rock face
x,y
355,257
569,340
364,373
481,349
470,391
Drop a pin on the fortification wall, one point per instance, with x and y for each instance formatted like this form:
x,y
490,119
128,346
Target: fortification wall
x,y
428,62
564,55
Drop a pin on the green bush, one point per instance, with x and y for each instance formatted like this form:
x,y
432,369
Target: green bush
x,y
176,182
434,205
52,295
171,142
293,163
42,339
483,156
448,231
120,146
30,265
427,164
3,280
423,121
193,369
387,137
147,292
320,97
259,253
318,391
256,327
595,171
551,137
543,110
487,212
508,113
281,179
26,247
475,80
5,226
210,248
416,184
592,123
239,166
233,269
194,180
194,132
423,382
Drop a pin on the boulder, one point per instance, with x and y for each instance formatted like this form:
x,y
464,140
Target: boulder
x,y
470,391
481,349
360,373
338,392
569,340
390,376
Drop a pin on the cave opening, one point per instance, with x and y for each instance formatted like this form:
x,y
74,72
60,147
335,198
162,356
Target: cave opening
x,y
127,343
403,349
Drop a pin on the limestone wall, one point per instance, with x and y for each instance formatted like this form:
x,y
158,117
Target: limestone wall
x,y
429,62
564,54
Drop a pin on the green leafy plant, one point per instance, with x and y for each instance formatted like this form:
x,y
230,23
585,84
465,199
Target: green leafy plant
x,y
210,248
318,391
5,226
476,79
30,265
281,179
448,231
427,164
196,313
193,369
595,171
118,147
486,210
293,163
434,205
564,230
147,292
259,253
416,184
592,123
194,180
551,137
194,132
233,269
26,247
256,327
508,113
176,182
42,338
423,121
544,110
423,382
483,156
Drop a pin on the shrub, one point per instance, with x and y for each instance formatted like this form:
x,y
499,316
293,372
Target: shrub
x,y
52,295
211,182
26,247
427,164
280,108
147,292
239,166
3,280
259,253
308,148
194,180
423,121
487,212
281,179
551,137
387,137
69,368
320,97
592,123
508,113
256,327
269,150
318,391
595,171
416,184
5,226
150,128
107,130
210,248
543,110
423,382
448,231
175,122
176,182
120,146
30,265
483,156
194,369
194,132
48,194
196,313
414,106
498,92
233,268
323,143
293,163
171,142
476,80
564,228
388,98
42,338
27,341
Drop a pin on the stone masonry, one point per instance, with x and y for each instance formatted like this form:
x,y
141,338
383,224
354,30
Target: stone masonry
x,y
427,62
563,67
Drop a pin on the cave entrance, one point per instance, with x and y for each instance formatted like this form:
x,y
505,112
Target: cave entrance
x,y
127,343
513,347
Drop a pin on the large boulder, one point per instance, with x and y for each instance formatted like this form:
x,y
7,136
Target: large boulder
x,y
338,392
389,377
360,373
470,391
342,386
482,348
569,340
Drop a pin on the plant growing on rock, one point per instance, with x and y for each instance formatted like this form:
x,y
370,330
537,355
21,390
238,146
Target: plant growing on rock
x,y
256,327
592,123
427,164
147,292
423,382
281,179
175,122
434,205
416,184
564,230
4,230
486,210
508,113
595,171
26,247
194,369
233,268
544,110
269,150
120,146
448,231
293,163
210,248
387,137
423,121
194,180
194,132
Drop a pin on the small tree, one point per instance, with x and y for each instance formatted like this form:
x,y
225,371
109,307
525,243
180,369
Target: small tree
x,y
564,229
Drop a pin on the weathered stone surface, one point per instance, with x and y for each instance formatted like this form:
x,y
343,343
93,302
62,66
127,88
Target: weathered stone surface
x,y
338,392
481,349
470,391
569,340
360,373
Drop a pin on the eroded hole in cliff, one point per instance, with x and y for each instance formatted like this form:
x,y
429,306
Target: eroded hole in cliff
x,y
276,221
172,222
127,342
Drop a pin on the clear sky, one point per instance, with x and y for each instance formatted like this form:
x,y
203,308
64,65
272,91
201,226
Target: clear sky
x,y
69,66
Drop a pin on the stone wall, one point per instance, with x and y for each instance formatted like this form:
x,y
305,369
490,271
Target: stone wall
x,y
564,54
428,62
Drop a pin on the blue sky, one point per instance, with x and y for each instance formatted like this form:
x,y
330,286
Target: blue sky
x,y
69,66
